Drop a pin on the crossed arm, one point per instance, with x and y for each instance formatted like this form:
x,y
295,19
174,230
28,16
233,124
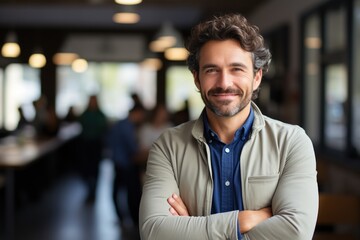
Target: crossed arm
x,y
247,218
294,201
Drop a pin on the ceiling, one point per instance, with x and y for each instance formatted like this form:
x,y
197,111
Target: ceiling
x,y
51,23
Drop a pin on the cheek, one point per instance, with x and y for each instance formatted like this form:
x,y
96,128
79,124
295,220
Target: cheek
x,y
200,84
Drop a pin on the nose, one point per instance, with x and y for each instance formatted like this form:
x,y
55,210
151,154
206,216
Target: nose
x,y
224,80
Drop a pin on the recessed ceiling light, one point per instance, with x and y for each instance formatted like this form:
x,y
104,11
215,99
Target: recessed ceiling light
x,y
126,17
128,2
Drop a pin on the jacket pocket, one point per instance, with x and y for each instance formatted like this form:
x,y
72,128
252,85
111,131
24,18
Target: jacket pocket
x,y
261,190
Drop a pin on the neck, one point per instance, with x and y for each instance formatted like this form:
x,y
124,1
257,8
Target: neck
x,y
225,127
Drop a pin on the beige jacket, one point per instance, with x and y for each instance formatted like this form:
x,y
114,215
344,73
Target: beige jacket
x,y
277,170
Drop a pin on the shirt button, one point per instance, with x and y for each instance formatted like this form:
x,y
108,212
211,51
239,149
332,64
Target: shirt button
x,y
210,141
227,150
227,183
212,134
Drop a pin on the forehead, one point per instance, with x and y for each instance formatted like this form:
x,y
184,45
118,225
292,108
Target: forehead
x,y
223,50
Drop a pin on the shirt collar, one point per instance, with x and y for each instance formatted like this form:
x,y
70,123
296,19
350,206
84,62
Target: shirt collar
x,y
241,133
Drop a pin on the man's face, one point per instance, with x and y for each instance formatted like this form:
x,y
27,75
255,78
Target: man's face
x,y
226,77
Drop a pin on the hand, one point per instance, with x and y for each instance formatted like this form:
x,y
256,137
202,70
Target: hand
x,y
249,219
177,206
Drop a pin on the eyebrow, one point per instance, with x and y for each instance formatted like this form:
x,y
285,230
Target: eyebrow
x,y
210,65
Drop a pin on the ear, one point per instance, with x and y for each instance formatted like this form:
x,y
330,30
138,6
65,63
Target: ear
x,y
257,79
196,79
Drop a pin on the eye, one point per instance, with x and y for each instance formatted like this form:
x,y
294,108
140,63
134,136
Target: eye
x,y
238,69
210,70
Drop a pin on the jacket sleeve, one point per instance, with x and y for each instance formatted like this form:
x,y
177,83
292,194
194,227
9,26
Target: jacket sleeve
x,y
156,222
295,201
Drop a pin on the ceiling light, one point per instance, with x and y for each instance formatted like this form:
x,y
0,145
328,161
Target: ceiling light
x,y
159,45
165,38
126,17
176,54
37,60
128,2
11,48
79,65
64,58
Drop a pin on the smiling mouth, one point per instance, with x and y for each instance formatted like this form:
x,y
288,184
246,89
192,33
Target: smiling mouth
x,y
221,93
224,96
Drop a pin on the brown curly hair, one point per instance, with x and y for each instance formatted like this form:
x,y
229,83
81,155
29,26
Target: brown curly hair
x,y
229,26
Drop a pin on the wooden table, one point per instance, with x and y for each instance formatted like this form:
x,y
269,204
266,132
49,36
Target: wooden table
x,y
15,153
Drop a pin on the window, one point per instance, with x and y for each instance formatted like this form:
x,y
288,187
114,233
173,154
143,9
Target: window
x,y
355,140
336,78
21,88
335,30
180,88
113,83
335,106
331,90
1,98
312,76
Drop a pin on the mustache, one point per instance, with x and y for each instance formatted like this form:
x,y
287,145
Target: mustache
x,y
219,90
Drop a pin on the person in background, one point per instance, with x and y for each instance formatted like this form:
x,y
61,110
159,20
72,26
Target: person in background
x,y
46,121
23,121
52,122
24,129
182,115
233,173
70,116
159,120
124,148
94,126
40,120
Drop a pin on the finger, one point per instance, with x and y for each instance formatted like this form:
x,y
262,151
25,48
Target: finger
x,y
179,201
173,212
174,206
178,205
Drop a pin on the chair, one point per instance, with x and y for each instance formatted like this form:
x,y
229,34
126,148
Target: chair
x,y
338,217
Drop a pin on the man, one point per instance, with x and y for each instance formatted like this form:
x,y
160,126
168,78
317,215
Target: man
x,y
233,173
94,126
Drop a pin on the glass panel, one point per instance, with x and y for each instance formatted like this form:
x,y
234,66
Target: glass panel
x,y
335,112
312,46
1,98
22,87
335,29
180,87
356,81
112,82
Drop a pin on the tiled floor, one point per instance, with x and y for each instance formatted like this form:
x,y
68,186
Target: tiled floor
x,y
62,214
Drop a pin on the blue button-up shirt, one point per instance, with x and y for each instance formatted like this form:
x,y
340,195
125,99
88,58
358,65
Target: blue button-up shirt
x,y
225,160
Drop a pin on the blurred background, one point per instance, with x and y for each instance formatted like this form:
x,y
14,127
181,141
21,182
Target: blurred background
x,y
56,55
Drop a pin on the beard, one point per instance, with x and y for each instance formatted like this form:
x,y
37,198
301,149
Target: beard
x,y
224,108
